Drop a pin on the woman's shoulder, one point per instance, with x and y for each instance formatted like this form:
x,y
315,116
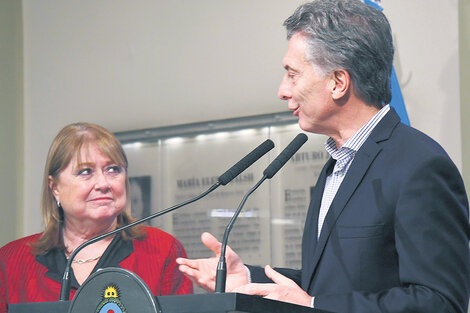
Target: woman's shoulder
x,y
154,233
18,243
18,247
156,237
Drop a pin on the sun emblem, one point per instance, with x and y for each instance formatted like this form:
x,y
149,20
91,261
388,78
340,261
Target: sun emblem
x,y
111,302
111,292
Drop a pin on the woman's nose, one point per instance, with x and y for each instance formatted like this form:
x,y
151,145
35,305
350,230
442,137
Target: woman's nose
x,y
102,182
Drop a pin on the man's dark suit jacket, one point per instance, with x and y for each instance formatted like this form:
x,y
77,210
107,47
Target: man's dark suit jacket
x,y
396,236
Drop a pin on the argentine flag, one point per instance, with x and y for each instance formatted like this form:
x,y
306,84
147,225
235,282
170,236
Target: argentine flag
x,y
397,99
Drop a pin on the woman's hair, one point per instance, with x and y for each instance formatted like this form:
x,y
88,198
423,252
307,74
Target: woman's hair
x,y
68,143
351,35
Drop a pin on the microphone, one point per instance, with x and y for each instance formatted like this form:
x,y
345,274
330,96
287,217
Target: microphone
x,y
223,179
246,162
269,172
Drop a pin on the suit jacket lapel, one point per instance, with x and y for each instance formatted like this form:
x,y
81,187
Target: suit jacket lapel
x,y
309,239
362,161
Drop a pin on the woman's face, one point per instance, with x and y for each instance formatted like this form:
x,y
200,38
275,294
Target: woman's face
x,y
92,192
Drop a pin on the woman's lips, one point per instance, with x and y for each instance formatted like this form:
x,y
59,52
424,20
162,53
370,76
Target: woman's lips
x,y
100,199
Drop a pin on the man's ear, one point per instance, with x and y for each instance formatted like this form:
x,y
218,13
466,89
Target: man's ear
x,y
341,82
53,188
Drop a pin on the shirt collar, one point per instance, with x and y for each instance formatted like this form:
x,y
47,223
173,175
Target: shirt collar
x,y
355,142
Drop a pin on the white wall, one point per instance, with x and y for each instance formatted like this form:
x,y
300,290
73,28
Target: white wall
x,y
149,63
426,35
464,45
11,116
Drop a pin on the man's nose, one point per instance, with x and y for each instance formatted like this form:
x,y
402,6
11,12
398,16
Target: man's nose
x,y
284,91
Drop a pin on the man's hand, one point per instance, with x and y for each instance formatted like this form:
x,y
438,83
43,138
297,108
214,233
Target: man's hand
x,y
203,271
283,289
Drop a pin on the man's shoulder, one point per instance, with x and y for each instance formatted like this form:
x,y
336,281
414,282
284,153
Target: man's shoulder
x,y
391,132
408,151
415,140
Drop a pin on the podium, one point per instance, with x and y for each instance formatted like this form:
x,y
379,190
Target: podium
x,y
119,290
203,303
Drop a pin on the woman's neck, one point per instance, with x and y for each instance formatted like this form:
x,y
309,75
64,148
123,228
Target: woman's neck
x,y
75,236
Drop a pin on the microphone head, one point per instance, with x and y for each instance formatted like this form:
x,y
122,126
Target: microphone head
x,y
285,155
246,162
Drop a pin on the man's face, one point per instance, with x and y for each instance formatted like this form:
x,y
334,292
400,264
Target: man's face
x,y
307,91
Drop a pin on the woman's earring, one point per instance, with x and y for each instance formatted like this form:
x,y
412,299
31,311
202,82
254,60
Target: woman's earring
x,y
58,204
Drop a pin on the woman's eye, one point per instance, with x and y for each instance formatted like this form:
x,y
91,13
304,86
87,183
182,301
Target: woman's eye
x,y
84,171
116,169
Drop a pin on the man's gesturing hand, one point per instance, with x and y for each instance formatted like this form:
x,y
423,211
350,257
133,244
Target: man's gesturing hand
x,y
283,289
203,271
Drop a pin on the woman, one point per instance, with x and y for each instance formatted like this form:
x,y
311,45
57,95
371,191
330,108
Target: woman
x,y
85,194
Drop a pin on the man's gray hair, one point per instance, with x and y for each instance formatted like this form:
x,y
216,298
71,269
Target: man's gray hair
x,y
350,35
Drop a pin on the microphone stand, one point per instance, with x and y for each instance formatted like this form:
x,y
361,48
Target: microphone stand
x,y
220,278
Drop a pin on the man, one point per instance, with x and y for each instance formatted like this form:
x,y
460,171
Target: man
x,y
387,229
